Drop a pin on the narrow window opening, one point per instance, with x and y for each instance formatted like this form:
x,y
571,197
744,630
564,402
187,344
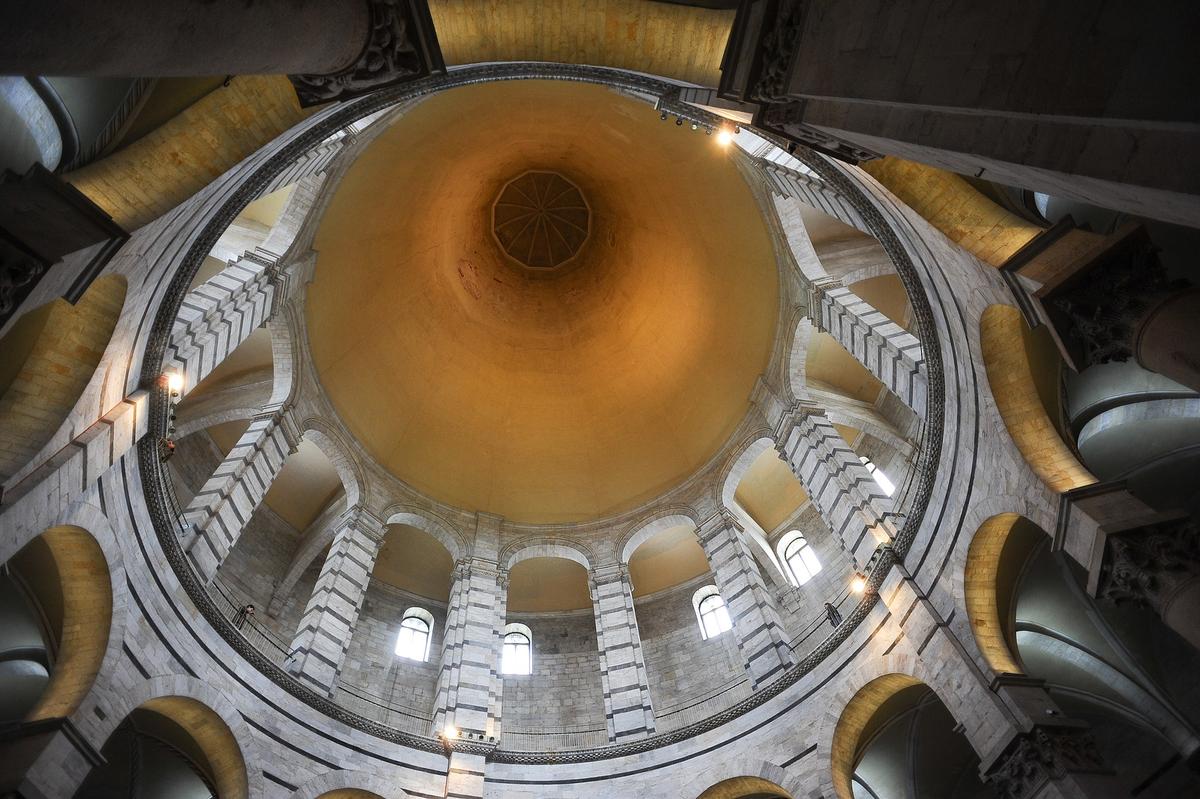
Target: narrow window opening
x,y
887,485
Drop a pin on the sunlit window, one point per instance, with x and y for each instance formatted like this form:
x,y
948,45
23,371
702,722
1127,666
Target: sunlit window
x,y
801,560
517,657
414,637
711,612
887,485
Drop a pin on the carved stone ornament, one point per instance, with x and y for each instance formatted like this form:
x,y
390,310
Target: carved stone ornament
x,y
401,46
786,119
19,270
1103,310
778,46
1145,566
1046,753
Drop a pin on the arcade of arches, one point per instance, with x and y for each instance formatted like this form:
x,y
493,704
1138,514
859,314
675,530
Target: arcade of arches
x,y
543,400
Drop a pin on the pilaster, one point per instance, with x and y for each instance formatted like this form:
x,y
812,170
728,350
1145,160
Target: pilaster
x,y
469,689
756,624
218,513
887,350
328,623
843,491
219,314
627,707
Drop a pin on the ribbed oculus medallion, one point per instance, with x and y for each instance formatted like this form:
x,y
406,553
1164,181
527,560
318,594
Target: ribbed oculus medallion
x,y
541,219
541,393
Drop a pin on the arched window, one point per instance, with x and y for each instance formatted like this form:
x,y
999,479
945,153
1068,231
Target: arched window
x,y
711,612
798,554
416,632
887,485
517,657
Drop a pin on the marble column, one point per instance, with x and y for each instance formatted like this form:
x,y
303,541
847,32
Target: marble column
x,y
319,648
887,350
756,625
853,505
219,314
470,690
217,515
1157,567
627,706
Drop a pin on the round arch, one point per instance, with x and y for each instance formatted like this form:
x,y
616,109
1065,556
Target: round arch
x,y
52,355
732,474
863,691
331,444
446,534
208,717
994,558
89,572
349,784
746,788
643,531
756,444
528,548
1002,338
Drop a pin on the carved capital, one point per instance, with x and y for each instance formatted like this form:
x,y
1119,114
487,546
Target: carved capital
x,y
19,270
1100,314
401,46
1147,565
1041,755
777,49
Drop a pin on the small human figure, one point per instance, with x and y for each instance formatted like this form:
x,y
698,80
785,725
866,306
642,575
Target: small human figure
x,y
832,614
244,615
167,449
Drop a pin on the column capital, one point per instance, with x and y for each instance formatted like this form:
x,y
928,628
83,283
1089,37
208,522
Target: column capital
x,y
1099,317
401,46
609,573
464,568
816,290
363,520
281,416
1147,565
791,418
721,519
1044,754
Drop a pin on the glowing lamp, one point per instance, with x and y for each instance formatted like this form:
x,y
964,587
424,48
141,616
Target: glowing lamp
x,y
725,137
174,382
858,584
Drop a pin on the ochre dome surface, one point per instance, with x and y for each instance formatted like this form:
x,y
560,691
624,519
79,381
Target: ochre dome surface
x,y
541,397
